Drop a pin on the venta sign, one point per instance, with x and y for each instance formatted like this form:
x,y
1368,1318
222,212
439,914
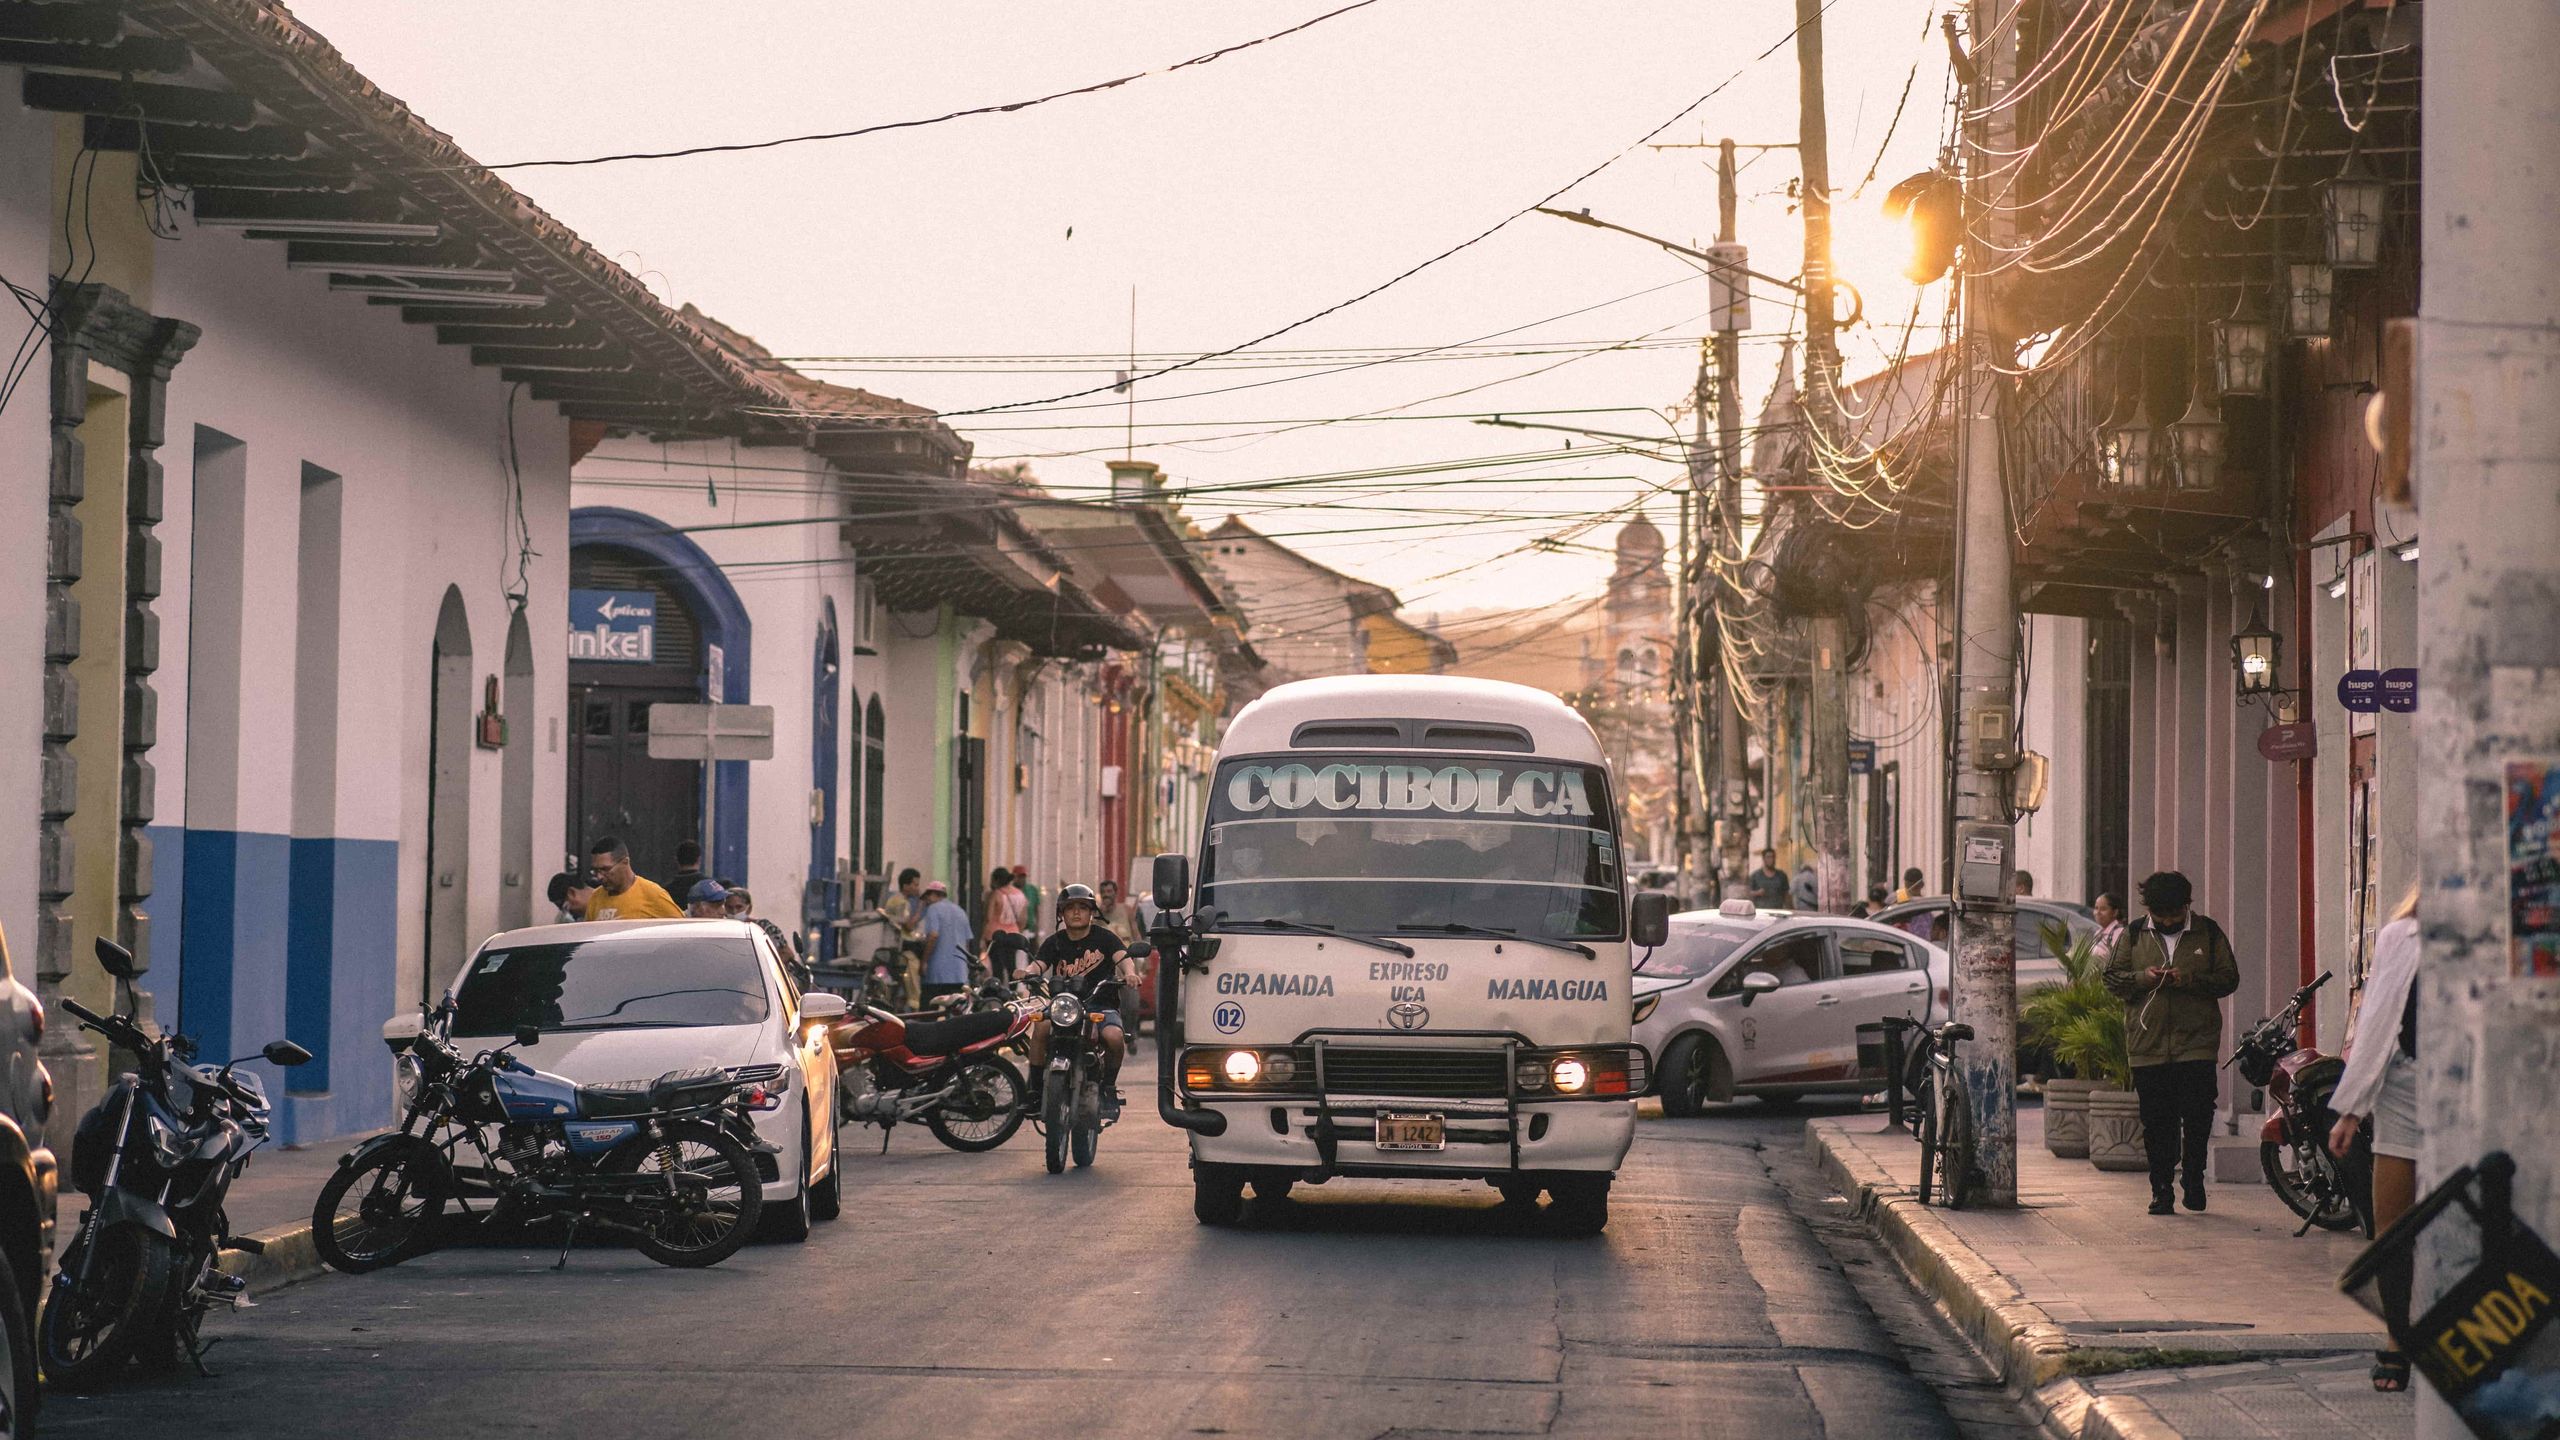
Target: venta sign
x,y
1298,789
616,626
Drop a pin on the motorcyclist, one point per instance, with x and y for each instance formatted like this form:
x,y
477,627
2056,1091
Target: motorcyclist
x,y
1088,959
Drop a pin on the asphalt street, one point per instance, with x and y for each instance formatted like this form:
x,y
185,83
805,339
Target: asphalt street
x,y
978,1295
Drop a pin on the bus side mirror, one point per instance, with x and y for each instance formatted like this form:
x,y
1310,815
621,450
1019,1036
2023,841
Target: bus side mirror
x,y
1173,882
1652,922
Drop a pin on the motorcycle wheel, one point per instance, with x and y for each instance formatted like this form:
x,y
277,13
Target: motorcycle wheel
x,y
398,1199
714,1215
1057,1117
1086,1133
2336,1211
993,1108
86,1336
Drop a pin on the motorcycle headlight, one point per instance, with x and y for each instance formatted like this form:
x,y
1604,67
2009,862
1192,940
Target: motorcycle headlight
x,y
408,1074
168,1147
1066,1010
1646,1005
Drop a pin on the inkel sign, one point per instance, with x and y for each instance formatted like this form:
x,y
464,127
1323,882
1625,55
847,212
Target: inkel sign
x,y
616,626
1449,790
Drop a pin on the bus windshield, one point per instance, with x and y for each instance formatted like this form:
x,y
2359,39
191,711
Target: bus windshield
x,y
1377,844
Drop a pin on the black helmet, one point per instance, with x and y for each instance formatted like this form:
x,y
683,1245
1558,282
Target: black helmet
x,y
1074,894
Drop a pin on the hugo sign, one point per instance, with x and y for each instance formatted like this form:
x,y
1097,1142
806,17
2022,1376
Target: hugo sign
x,y
1296,787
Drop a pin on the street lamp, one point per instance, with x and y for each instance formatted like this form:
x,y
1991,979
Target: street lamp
x,y
2240,349
2254,653
2306,300
2195,442
2130,446
2352,205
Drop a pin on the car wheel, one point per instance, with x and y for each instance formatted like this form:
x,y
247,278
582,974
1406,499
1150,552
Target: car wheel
x,y
1688,1075
1217,1194
1579,1204
826,1202
788,1222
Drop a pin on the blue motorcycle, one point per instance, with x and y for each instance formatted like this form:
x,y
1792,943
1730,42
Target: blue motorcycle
x,y
671,1164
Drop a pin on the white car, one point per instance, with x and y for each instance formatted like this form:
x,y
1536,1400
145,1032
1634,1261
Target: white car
x,y
1742,1001
629,1000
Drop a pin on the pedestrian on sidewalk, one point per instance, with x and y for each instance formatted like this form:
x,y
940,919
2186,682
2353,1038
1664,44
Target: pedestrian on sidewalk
x,y
1915,883
946,940
2171,970
2108,911
707,900
623,893
904,910
569,891
1004,911
688,868
2381,1085
1029,890
1769,885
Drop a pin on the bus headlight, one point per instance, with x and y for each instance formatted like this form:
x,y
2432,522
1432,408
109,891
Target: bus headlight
x,y
1243,1067
1279,1067
1572,1076
1646,1005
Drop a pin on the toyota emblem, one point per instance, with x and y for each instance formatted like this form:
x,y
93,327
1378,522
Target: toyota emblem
x,y
1406,1015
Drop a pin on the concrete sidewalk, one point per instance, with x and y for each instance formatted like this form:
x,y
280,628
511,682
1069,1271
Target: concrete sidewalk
x,y
2110,1321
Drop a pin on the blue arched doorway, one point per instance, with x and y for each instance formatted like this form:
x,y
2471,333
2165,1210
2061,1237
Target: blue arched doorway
x,y
826,682
619,551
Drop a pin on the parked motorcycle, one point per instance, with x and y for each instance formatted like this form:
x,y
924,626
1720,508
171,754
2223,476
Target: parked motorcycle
x,y
670,1163
1071,1118
155,1156
2293,1146
953,1074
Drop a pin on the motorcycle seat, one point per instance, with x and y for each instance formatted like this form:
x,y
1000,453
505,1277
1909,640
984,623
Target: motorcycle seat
x,y
700,1085
606,1102
942,1037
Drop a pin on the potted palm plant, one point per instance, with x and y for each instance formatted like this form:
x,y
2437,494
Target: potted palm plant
x,y
2046,1013
2093,1045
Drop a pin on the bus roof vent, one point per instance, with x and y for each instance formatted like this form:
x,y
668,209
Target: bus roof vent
x,y
1508,738
1320,734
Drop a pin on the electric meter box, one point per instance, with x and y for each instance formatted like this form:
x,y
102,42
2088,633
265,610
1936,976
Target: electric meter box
x,y
1982,862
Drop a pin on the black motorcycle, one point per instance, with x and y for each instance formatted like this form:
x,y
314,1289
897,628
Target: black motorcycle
x,y
2293,1145
672,1164
1071,1115
155,1157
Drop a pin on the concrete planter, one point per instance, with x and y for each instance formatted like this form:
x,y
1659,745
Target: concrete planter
x,y
2115,1131
2066,1117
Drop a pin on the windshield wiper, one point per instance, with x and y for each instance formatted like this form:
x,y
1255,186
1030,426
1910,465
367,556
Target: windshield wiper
x,y
1308,927
1457,927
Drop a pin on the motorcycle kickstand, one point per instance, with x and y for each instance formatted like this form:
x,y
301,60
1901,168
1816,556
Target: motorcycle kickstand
x,y
566,1241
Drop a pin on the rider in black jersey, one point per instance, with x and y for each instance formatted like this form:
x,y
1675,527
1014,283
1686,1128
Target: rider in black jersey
x,y
1088,959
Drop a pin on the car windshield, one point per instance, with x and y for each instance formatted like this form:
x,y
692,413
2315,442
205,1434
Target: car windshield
x,y
677,975
1694,950
1374,845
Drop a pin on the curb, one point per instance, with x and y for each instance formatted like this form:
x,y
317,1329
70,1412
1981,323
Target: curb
x,y
291,1257
2025,1345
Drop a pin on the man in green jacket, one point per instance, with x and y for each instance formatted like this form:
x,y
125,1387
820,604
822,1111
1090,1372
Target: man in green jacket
x,y
2171,970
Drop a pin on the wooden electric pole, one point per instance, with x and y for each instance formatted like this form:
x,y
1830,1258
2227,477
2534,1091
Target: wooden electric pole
x,y
1827,727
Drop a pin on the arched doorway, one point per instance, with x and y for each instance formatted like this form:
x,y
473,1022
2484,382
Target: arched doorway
x,y
826,680
652,621
448,910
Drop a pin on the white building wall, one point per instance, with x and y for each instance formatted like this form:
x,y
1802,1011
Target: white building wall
x,y
26,171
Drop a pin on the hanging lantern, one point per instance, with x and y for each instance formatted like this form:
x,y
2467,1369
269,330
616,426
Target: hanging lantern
x,y
2134,444
2306,301
2254,652
2240,344
2195,440
2352,205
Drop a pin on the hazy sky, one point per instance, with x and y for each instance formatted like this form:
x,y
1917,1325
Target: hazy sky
x,y
1235,197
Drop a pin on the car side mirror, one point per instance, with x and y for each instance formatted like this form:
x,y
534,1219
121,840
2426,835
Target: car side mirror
x,y
528,1035
823,1005
286,1054
1651,923
1757,984
116,960
1172,883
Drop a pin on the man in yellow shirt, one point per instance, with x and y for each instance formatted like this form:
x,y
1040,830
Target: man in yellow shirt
x,y
621,893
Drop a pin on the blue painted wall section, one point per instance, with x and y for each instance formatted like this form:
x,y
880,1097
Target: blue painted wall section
x,y
283,938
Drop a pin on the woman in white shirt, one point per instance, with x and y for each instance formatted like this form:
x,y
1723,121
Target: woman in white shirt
x,y
2381,1082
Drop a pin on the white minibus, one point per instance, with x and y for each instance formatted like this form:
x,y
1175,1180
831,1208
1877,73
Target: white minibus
x,y
1408,950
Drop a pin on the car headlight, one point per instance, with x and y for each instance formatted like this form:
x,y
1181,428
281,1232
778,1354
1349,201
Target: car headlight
x,y
1572,1076
1242,1067
1646,1005
1065,1010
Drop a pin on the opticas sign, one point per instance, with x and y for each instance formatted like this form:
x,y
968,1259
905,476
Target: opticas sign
x,y
616,626
1448,790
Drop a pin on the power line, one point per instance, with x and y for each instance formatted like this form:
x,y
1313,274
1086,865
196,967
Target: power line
x,y
1004,109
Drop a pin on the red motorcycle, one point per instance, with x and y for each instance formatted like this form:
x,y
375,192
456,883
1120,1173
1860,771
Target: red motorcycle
x,y
2293,1145
953,1075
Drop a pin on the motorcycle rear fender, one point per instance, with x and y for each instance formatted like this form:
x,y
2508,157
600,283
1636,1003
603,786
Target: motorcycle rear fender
x,y
123,1207
2274,1132
432,1157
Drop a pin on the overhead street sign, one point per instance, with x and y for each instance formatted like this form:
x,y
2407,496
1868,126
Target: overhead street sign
x,y
710,732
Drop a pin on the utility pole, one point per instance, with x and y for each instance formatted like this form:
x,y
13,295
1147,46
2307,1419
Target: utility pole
x,y
1986,974
1732,765
2486,431
1827,731
1684,695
